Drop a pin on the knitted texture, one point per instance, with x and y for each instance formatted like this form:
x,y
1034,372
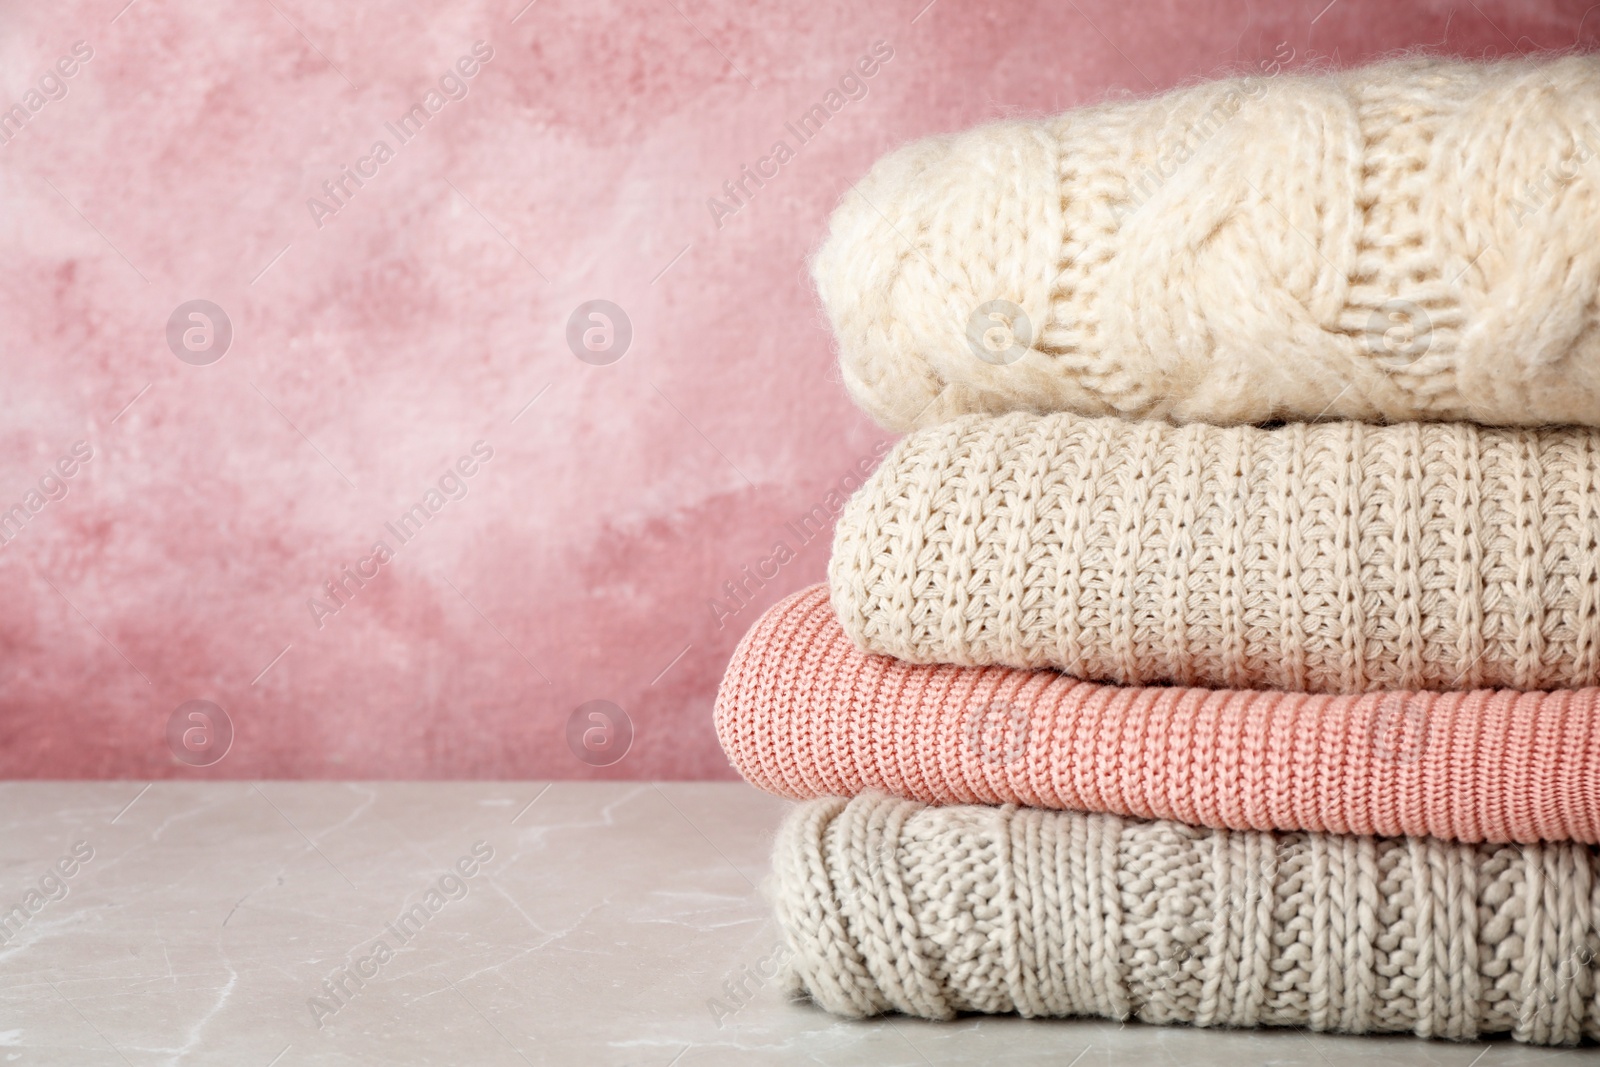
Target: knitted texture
x,y
1323,558
1409,240
890,905
803,713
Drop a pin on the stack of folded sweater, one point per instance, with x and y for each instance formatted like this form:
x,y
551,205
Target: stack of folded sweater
x,y
1194,659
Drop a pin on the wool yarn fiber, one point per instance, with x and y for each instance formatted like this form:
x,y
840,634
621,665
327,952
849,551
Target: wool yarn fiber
x,y
1409,240
890,905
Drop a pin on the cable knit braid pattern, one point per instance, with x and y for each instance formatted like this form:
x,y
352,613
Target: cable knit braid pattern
x,y
890,905
1411,240
1336,558
803,713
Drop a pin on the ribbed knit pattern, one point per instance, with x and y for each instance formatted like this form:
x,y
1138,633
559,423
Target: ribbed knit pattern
x,y
1408,240
890,905
802,713
1336,558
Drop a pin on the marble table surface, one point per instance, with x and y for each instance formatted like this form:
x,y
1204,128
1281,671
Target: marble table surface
x,y
239,923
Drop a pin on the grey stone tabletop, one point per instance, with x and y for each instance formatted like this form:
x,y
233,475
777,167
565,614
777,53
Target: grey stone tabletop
x,y
270,924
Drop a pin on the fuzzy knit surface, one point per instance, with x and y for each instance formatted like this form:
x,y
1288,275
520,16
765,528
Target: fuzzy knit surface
x,y
890,905
804,714
1335,557
1410,240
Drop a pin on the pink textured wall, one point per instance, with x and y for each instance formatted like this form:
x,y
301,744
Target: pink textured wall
x,y
377,339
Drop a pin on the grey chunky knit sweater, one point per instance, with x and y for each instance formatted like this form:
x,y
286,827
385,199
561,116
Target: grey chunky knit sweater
x,y
891,905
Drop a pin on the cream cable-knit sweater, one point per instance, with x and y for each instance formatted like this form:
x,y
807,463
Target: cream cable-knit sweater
x,y
1335,558
893,906
1410,240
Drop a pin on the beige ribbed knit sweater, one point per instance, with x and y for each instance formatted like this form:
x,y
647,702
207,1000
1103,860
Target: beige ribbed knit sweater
x,y
893,906
1336,558
1410,240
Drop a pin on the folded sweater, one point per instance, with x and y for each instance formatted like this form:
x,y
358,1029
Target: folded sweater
x,y
1335,558
889,905
802,713
1408,240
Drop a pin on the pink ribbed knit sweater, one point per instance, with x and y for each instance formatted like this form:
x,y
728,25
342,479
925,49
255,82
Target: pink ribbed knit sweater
x,y
803,713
